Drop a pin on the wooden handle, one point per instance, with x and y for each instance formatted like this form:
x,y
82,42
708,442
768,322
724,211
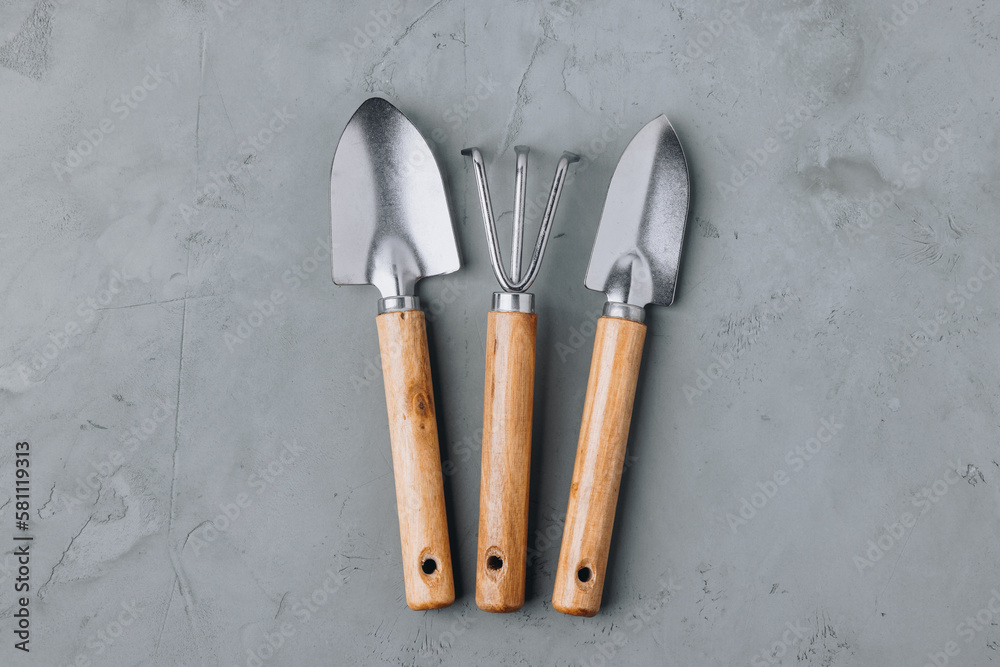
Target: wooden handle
x,y
416,460
506,466
600,455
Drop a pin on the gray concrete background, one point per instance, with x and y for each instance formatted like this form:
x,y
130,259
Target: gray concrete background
x,y
155,401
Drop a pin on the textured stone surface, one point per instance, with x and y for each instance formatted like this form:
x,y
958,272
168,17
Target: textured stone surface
x,y
802,281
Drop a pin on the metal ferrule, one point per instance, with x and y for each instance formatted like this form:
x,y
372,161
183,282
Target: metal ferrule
x,y
514,302
625,311
393,304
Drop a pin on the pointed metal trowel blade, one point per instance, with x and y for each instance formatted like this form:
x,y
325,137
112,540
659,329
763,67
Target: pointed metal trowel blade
x,y
390,220
638,246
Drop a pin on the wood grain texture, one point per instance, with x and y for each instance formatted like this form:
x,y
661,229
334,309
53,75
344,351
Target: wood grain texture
x,y
416,460
506,463
597,474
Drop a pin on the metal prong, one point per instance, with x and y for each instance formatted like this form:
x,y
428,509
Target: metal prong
x,y
547,217
516,283
520,185
489,222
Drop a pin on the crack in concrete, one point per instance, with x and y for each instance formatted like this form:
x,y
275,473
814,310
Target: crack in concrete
x,y
516,117
42,588
369,72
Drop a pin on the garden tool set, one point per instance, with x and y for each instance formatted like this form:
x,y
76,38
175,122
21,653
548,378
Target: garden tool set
x,y
391,226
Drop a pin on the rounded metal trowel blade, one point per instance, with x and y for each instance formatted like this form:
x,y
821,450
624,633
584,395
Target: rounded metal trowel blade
x,y
390,220
638,246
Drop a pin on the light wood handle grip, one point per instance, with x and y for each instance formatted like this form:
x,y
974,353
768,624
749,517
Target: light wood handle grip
x,y
506,464
597,474
416,460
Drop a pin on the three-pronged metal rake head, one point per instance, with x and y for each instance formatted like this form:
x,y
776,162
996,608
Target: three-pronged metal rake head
x,y
514,297
509,395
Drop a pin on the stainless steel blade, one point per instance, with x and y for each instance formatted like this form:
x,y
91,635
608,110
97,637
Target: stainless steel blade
x,y
390,220
638,246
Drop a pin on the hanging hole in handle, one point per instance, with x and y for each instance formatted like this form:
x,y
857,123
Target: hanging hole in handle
x,y
429,566
495,564
586,575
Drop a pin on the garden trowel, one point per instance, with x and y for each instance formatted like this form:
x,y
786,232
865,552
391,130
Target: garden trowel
x,y
634,261
391,226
